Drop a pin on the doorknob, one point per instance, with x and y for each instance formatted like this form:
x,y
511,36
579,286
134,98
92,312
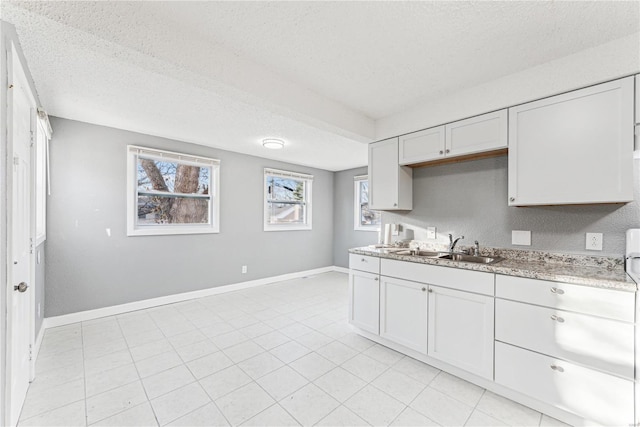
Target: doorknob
x,y
22,287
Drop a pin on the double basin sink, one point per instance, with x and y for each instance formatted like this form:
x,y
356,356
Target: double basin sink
x,y
459,257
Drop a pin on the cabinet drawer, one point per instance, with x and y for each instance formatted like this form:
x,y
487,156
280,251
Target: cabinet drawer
x,y
593,341
609,303
465,280
370,264
596,396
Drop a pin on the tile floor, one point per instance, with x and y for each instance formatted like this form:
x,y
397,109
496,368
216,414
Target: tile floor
x,y
281,354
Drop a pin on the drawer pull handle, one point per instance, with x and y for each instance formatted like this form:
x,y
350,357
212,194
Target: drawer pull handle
x,y
424,289
557,318
376,279
557,291
363,260
557,368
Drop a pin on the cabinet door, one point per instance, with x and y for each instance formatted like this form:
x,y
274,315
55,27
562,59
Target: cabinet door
x,y
603,398
390,185
477,134
461,330
364,301
573,148
403,313
422,146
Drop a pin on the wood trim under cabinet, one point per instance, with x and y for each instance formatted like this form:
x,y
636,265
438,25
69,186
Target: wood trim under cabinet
x,y
475,156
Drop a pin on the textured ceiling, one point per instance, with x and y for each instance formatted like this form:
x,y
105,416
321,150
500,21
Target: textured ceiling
x,y
317,74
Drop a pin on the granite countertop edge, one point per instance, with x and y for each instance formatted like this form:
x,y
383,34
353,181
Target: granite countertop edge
x,y
597,277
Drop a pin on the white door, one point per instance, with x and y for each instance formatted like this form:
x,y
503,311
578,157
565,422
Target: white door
x,y
364,300
478,134
422,146
574,148
403,313
461,329
383,174
21,114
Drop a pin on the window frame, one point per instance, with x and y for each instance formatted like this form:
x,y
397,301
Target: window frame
x,y
133,229
357,215
308,199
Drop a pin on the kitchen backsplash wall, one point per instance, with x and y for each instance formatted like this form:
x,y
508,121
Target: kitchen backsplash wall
x,y
470,199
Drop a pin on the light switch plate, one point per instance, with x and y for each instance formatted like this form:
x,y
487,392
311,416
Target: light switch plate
x,y
521,238
593,241
431,232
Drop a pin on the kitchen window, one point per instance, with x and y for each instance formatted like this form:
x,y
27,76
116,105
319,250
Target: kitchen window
x,y
365,219
287,200
171,193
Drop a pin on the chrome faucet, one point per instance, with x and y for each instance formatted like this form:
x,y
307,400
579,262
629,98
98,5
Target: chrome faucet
x,y
476,248
452,243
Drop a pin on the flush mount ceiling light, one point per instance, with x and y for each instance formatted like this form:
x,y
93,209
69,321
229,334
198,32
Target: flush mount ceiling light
x,y
273,143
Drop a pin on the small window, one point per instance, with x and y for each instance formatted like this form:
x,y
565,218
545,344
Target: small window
x,y
171,193
365,219
287,200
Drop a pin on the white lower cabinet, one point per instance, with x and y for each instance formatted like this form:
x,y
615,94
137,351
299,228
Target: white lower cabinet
x,y
364,301
403,312
596,396
460,329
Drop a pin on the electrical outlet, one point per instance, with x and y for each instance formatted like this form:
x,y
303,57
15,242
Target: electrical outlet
x,y
594,241
244,269
431,232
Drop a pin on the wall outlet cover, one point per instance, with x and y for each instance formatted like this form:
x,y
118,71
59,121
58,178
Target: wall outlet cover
x,y
244,269
521,238
593,241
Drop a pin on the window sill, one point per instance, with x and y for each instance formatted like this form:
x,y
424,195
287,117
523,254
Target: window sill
x,y
372,228
174,231
287,228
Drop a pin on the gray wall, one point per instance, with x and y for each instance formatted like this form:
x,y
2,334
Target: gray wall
x,y
40,285
87,269
470,198
344,236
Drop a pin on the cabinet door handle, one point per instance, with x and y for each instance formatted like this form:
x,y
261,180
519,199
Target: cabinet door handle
x,y
430,290
363,260
557,291
512,199
424,289
395,204
557,318
376,279
557,368
441,152
446,151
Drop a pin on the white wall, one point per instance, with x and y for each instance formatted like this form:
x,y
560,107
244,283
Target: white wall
x,y
608,61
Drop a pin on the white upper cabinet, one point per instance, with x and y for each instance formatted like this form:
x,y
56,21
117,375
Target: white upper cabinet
x,y
477,134
422,146
574,148
390,185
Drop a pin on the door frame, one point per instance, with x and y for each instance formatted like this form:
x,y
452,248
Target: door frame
x,y
8,46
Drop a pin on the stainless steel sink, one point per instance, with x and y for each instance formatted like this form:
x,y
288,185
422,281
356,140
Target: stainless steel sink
x,y
426,254
471,258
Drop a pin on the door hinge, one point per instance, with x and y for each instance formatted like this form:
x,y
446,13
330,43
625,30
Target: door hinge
x,y
31,138
30,352
30,245
16,161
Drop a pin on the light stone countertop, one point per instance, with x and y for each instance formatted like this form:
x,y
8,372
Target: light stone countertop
x,y
598,272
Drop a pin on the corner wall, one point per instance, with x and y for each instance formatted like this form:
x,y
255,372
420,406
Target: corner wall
x,y
90,267
344,235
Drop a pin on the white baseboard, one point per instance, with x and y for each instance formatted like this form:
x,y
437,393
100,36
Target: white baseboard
x,y
83,316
